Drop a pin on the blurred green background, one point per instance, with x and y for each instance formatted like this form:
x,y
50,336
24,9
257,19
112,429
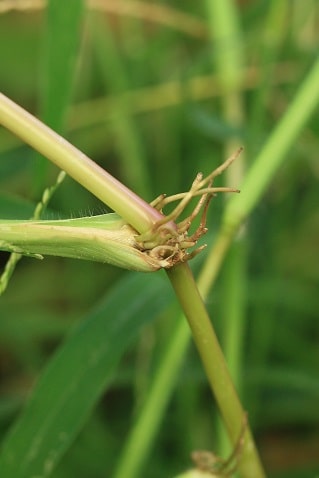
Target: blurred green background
x,y
142,95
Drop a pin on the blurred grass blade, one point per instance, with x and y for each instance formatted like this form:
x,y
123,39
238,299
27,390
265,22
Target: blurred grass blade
x,y
77,375
61,47
115,76
61,42
12,207
226,33
273,153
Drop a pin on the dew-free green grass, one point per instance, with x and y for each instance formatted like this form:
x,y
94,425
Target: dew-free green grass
x,y
156,93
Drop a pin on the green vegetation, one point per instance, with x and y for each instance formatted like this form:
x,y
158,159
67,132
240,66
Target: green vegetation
x,y
155,93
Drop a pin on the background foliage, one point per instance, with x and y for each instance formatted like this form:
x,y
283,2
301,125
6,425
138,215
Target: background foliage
x,y
139,93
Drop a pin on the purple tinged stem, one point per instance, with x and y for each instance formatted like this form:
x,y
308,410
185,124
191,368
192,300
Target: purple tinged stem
x,y
133,209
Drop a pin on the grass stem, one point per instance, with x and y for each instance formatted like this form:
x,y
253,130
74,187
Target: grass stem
x,y
215,367
112,192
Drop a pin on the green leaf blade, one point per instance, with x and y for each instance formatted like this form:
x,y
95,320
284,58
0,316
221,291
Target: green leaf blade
x,y
76,377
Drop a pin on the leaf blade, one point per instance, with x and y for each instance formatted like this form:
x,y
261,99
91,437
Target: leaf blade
x,y
76,377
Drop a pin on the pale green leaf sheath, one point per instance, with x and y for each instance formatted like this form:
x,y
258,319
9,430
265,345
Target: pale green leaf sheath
x,y
105,238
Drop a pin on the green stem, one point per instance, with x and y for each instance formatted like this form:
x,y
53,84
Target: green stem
x,y
225,35
234,311
272,155
213,264
214,261
215,367
141,438
127,204
225,32
142,434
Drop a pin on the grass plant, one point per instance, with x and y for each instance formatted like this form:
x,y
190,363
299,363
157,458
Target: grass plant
x,y
63,414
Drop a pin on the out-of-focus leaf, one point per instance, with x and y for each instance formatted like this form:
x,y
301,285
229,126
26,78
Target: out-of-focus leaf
x,y
13,207
62,41
78,374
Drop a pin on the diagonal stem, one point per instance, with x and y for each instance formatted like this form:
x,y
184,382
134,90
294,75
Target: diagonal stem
x,y
215,366
95,179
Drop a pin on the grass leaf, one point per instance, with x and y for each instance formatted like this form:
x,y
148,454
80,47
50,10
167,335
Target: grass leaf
x,y
77,376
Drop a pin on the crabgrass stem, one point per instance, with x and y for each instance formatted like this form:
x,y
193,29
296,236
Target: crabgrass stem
x,y
140,439
112,192
216,257
215,367
267,162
